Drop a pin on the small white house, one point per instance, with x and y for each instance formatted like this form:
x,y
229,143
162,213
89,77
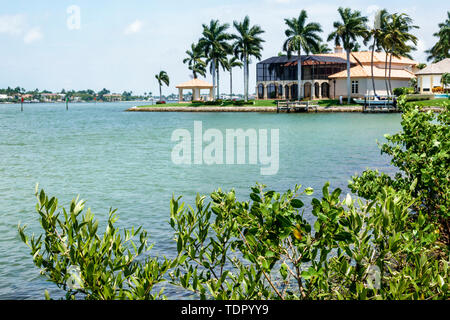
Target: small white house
x,y
430,77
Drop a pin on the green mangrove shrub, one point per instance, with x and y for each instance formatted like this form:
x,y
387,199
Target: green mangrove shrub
x,y
421,153
262,248
73,255
265,249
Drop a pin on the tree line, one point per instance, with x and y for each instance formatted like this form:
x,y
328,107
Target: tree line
x,y
84,95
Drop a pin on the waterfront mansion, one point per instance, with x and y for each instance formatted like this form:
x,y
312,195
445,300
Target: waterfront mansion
x,y
325,75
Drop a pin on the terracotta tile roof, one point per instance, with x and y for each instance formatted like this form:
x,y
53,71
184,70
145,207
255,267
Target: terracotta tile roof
x,y
195,83
381,57
365,72
365,57
341,55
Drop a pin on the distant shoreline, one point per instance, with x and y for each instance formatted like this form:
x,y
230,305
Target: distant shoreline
x,y
76,102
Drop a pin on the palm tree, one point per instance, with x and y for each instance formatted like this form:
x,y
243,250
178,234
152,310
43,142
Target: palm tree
x,y
377,35
301,36
322,48
347,31
445,80
194,60
247,44
233,62
214,43
221,62
441,50
162,78
396,36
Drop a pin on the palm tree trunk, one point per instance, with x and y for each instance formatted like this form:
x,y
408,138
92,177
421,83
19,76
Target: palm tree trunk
x,y
218,89
349,81
214,77
390,69
373,78
248,75
245,78
231,83
385,74
160,93
299,71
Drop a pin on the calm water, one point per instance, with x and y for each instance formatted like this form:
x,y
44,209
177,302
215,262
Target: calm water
x,y
122,160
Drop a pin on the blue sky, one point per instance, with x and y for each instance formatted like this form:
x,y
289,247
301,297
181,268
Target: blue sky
x,y
121,45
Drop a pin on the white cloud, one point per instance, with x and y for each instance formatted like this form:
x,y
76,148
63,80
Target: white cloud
x,y
16,25
135,27
12,24
33,35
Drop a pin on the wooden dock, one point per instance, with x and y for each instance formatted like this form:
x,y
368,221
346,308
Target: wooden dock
x,y
380,109
294,106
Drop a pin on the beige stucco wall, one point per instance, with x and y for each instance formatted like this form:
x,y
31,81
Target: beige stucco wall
x,y
365,86
341,88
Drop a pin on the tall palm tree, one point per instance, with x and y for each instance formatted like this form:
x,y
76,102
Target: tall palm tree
x,y
322,48
247,44
301,36
351,27
396,37
194,61
441,49
162,78
377,36
233,62
214,43
221,62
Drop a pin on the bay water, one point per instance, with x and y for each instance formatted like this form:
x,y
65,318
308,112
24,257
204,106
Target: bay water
x,y
117,159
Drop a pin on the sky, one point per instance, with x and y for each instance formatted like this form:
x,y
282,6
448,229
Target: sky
x,y
121,45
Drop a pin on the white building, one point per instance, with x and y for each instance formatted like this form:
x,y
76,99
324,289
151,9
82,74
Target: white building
x,y
430,77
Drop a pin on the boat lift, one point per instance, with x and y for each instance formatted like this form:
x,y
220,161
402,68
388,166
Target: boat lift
x,y
371,103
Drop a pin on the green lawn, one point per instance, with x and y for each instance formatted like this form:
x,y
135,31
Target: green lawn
x,y
258,103
430,103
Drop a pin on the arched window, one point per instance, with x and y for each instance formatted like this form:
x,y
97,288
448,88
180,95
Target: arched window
x,y
271,91
294,92
325,90
260,91
316,90
308,90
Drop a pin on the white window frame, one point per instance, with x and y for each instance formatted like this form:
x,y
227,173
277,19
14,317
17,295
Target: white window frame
x,y
355,86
